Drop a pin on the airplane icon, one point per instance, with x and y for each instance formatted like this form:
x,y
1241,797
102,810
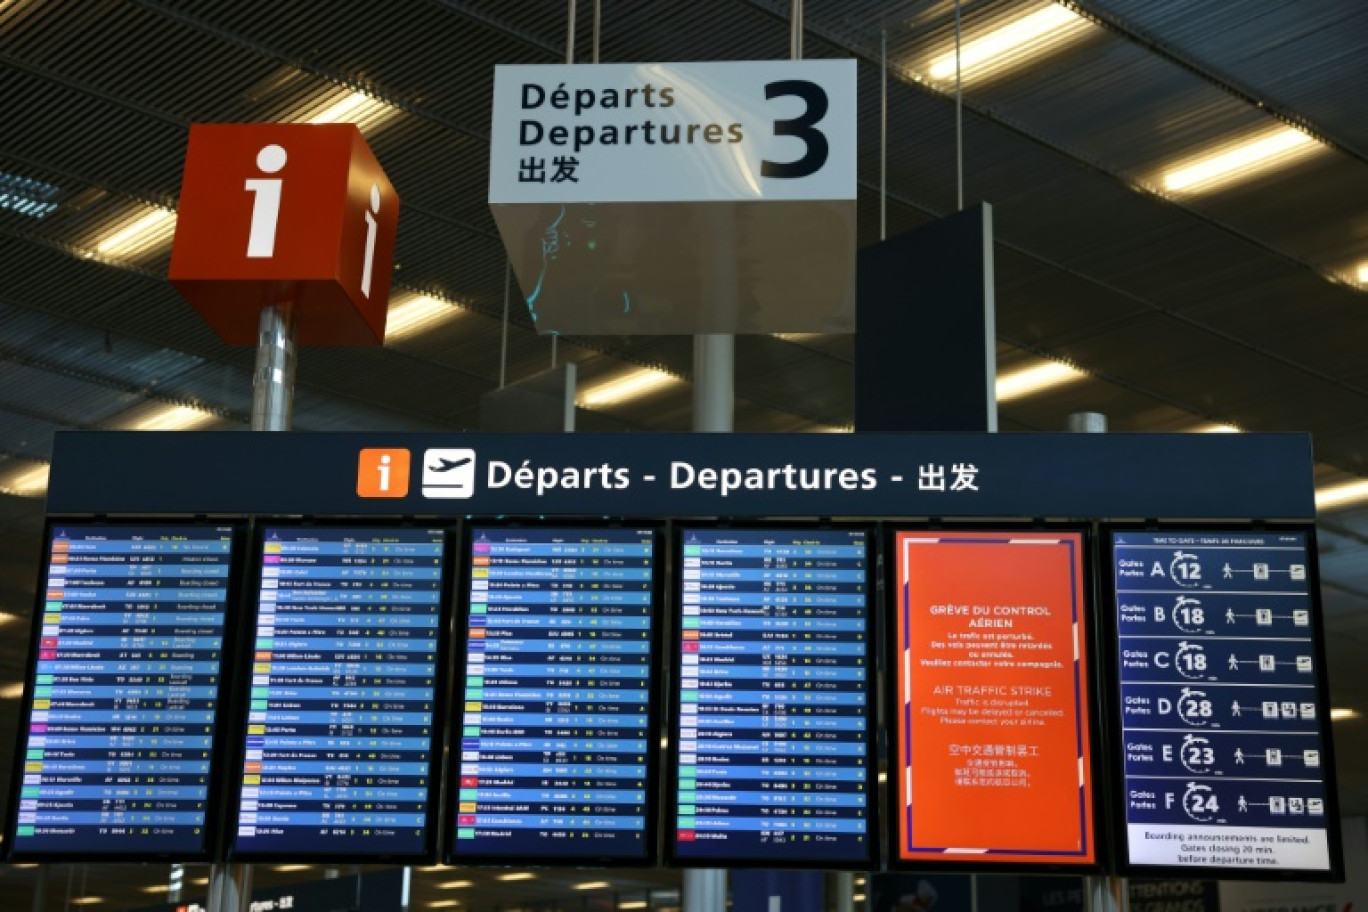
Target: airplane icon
x,y
448,464
449,473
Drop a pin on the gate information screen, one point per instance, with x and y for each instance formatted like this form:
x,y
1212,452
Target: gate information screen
x,y
338,755
991,739
1222,720
773,710
557,721
119,740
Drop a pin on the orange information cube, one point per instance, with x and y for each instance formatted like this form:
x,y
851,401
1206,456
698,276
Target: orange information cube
x,y
993,749
286,213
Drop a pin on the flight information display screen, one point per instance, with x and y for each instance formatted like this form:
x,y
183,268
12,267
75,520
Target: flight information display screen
x,y
1222,714
773,726
119,740
557,720
338,758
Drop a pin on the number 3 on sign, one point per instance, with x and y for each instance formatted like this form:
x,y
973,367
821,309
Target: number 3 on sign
x,y
803,127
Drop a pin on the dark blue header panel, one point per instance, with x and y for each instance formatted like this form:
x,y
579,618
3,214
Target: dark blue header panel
x,y
118,745
1221,710
1139,476
556,728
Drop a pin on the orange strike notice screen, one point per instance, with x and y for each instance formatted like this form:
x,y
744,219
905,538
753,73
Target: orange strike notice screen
x,y
992,730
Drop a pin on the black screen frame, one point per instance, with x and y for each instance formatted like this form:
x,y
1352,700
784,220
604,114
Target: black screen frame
x,y
238,747
659,620
1097,765
229,663
1112,695
873,806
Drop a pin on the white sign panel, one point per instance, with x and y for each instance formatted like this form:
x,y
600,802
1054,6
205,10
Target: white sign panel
x,y
676,132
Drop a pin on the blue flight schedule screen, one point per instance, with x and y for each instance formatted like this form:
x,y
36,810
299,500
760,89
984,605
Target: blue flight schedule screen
x,y
1221,713
556,723
118,752
338,755
774,690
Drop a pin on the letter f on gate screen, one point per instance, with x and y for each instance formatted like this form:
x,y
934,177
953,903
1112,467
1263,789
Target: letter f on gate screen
x,y
992,705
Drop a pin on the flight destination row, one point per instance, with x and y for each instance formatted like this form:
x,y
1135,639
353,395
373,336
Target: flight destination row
x,y
158,725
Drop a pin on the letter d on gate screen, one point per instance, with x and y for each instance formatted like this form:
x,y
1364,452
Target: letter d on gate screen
x,y
992,707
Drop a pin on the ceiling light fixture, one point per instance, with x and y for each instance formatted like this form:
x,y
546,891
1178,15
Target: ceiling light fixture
x,y
292,867
1242,160
1032,380
1012,44
153,228
455,884
12,691
417,314
358,108
444,903
1363,273
86,900
624,387
1341,495
156,888
633,904
7,618
591,885
1217,428
173,418
1343,714
27,196
26,481
517,875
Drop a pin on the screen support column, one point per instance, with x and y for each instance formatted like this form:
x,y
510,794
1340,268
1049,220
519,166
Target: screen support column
x,y
1101,893
230,884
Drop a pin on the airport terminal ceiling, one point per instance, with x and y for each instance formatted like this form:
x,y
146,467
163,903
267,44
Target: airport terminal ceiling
x,y
1148,277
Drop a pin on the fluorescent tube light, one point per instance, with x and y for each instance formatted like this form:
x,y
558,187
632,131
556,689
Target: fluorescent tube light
x,y
1341,495
1014,44
455,884
1216,428
358,108
7,618
12,691
624,387
417,314
444,903
633,904
518,875
153,228
1036,379
1363,273
1343,714
1242,160
26,481
86,900
173,418
285,868
591,885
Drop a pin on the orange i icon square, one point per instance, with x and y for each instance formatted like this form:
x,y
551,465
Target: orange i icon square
x,y
383,472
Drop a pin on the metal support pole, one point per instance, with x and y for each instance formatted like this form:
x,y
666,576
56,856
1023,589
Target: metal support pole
x,y
1106,894
844,900
40,882
883,135
273,380
705,890
714,378
230,887
1100,894
230,884
959,115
